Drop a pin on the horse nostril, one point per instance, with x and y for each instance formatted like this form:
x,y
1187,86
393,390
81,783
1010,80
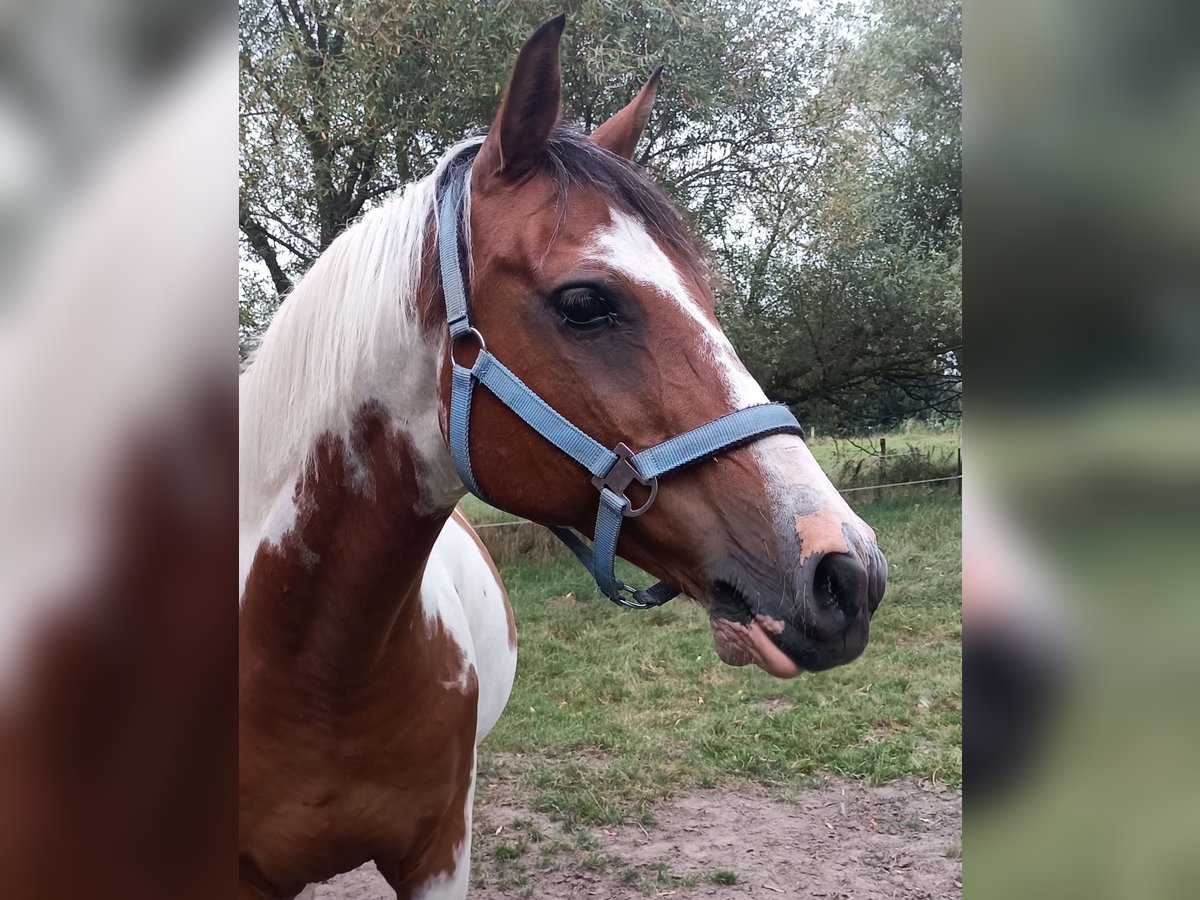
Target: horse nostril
x,y
840,582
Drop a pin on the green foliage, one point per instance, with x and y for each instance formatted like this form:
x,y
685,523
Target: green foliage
x,y
850,308
343,103
819,154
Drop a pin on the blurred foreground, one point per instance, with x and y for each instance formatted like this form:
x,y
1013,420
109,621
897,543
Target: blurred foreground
x,y
118,458
1083,442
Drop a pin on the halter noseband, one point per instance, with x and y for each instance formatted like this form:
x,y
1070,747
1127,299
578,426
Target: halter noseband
x,y
612,470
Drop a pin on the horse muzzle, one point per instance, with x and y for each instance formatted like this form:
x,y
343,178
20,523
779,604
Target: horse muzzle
x,y
814,617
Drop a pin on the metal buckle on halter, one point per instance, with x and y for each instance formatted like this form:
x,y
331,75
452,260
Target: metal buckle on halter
x,y
620,475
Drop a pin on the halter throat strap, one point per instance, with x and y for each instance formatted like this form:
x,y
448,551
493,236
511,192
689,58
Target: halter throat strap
x,y
612,470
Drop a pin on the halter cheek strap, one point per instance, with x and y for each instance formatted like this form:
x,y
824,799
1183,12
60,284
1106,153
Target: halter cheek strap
x,y
612,471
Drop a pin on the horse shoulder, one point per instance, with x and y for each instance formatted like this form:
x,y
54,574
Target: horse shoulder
x,y
479,590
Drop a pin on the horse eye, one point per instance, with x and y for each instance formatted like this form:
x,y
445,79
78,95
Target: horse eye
x,y
584,309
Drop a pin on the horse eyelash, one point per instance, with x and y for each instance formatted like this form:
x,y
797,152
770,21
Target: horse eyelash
x,y
612,318
609,318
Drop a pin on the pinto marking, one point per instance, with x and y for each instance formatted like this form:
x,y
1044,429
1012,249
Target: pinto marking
x,y
452,885
463,590
488,613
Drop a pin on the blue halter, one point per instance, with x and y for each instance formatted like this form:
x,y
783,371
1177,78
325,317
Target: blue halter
x,y
613,470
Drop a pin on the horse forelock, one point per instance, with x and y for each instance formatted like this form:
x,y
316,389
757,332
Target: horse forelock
x,y
572,158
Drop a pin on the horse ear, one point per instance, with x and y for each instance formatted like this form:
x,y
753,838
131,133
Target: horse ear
x,y
530,108
621,133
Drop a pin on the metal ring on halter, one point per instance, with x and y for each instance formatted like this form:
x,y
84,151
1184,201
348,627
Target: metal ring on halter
x,y
470,332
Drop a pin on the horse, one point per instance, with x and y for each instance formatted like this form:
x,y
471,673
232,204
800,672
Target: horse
x,y
377,645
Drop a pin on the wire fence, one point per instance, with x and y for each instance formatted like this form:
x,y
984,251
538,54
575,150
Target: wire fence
x,y
849,490
896,484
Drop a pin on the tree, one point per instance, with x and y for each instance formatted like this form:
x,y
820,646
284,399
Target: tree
x,y
344,102
818,154
850,308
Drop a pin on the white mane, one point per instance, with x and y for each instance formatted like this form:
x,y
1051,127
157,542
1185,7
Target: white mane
x,y
352,312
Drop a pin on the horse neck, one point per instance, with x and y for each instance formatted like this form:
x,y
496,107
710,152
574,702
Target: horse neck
x,y
342,584
338,561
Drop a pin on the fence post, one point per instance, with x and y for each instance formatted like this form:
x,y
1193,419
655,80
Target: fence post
x,y
882,464
959,471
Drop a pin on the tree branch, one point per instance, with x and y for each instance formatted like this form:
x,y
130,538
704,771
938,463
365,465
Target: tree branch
x,y
295,25
260,241
300,24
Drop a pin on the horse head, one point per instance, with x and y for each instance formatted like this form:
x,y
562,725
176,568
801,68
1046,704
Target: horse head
x,y
585,280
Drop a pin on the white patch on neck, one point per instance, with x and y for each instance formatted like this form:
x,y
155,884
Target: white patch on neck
x,y
347,334
626,246
280,522
471,603
436,479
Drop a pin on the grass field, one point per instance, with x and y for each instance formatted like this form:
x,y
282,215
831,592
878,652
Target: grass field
x,y
915,454
938,441
615,709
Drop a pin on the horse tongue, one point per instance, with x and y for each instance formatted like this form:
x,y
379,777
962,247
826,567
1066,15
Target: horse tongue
x,y
768,657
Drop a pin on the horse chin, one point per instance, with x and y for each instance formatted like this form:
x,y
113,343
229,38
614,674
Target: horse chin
x,y
739,644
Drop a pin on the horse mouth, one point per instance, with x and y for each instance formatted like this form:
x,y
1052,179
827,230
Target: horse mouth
x,y
743,636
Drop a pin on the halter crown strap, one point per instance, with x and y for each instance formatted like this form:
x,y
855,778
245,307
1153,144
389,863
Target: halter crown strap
x,y
612,470
457,317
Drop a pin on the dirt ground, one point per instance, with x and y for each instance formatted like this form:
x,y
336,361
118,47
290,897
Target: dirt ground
x,y
840,840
